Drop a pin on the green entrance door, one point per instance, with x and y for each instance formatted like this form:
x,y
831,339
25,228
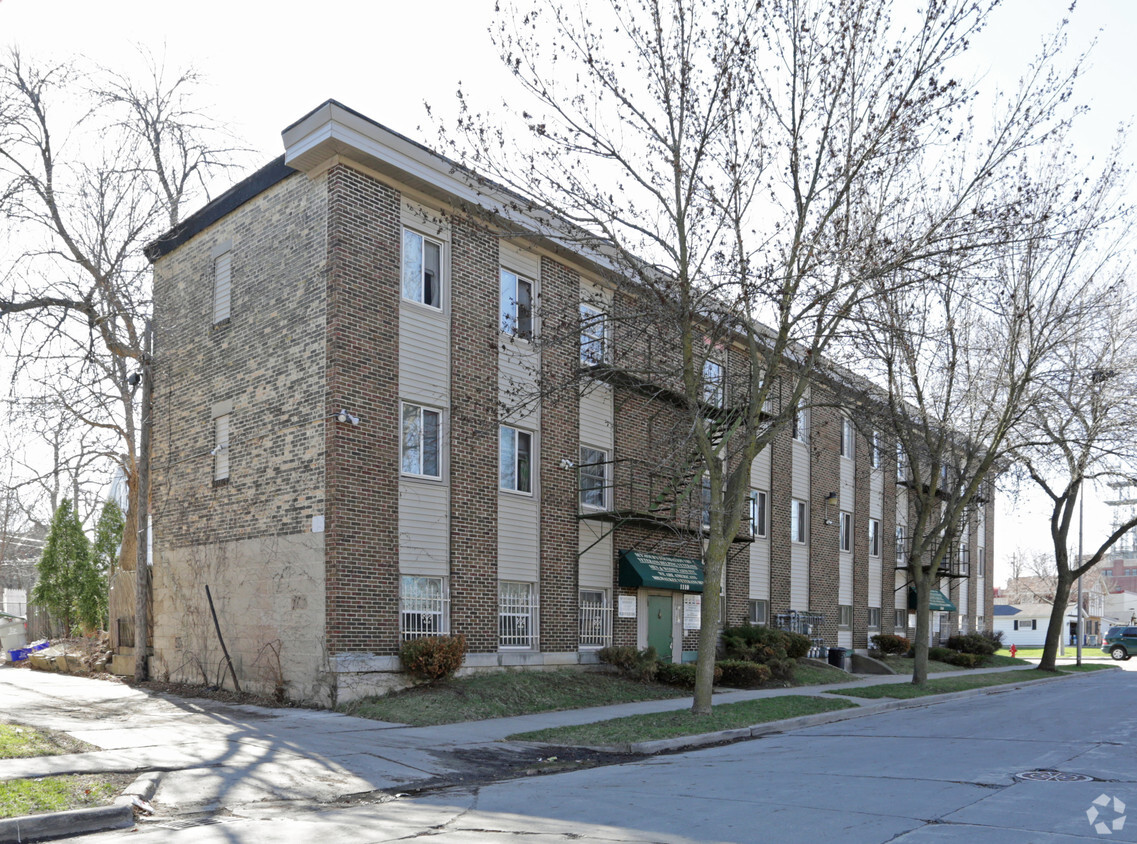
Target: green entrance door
x,y
659,625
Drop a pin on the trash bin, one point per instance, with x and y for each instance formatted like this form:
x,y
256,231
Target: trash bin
x,y
837,657
13,633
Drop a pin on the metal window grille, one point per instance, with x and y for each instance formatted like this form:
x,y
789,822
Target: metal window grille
x,y
125,632
595,620
517,615
424,607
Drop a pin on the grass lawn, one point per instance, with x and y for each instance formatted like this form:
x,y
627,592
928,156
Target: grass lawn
x,y
1022,653
903,664
1085,666
56,794
811,674
504,694
18,742
944,685
681,722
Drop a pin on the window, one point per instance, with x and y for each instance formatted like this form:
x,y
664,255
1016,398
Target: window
x,y
800,424
758,502
901,548
847,438
423,606
874,537
1026,625
705,499
516,459
593,477
516,305
759,611
221,448
421,441
797,521
222,286
901,463
846,531
874,618
874,450
517,612
900,619
714,391
593,336
964,559
595,619
422,269
844,615
982,562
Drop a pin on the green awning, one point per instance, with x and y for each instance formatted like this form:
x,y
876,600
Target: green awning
x,y
937,601
659,571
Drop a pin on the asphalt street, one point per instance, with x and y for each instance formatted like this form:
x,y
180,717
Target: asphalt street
x,y
944,772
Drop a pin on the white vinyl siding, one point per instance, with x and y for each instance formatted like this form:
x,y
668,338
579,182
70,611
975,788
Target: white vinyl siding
x,y
518,536
222,286
595,555
424,528
596,414
760,549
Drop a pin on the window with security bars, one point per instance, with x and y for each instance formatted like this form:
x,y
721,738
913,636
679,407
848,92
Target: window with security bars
x,y
424,604
517,615
595,619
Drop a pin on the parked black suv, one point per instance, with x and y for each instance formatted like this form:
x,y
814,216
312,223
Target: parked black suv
x,y
1120,642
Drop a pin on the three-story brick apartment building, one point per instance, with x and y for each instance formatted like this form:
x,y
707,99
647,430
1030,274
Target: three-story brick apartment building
x,y
341,455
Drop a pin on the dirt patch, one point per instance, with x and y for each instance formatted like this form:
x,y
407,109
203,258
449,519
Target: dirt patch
x,y
221,695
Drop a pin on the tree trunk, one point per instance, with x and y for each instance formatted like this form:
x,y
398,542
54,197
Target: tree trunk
x,y
1056,630
923,583
714,563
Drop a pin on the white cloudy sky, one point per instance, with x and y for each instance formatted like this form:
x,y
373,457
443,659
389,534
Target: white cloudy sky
x,y
269,63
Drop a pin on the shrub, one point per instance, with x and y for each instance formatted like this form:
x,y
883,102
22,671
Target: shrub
x,y
965,660
433,657
797,645
972,643
681,674
765,646
638,665
742,674
941,654
995,636
887,643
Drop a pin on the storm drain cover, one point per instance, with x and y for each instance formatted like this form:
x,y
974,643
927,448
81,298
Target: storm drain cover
x,y
1053,776
188,824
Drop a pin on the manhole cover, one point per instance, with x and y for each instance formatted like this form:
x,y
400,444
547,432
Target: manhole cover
x,y
1053,776
189,824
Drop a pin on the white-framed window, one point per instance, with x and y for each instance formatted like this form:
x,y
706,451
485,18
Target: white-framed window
x,y
900,619
595,619
422,269
593,477
982,562
759,611
1026,625
847,441
874,537
901,548
964,559
797,521
424,606
846,525
759,506
516,459
222,286
221,448
421,441
714,383
517,614
593,335
901,463
874,450
705,501
800,431
874,618
845,615
516,305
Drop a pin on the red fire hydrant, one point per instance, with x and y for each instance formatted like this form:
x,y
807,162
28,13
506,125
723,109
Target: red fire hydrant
x,y
1013,651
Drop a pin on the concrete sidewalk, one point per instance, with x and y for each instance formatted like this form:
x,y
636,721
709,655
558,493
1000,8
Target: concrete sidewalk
x,y
219,756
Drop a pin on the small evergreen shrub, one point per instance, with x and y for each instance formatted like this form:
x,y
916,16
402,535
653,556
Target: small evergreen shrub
x,y
765,646
941,654
887,643
681,674
995,637
965,660
741,674
972,643
797,645
433,657
637,665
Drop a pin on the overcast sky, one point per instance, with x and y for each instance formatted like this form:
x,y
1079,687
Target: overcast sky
x,y
268,64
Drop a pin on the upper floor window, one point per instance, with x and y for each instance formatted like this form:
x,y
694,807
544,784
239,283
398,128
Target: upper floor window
x,y
874,450
516,459
516,305
421,441
593,477
846,531
422,269
901,463
714,385
847,438
221,448
901,548
797,521
222,286
982,561
874,537
705,498
593,335
758,507
800,424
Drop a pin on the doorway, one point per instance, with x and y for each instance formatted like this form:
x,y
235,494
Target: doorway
x,y
659,625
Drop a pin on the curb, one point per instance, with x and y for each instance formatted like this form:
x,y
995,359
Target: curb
x,y
80,821
650,748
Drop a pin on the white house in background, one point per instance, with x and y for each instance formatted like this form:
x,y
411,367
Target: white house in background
x,y
1120,607
1024,625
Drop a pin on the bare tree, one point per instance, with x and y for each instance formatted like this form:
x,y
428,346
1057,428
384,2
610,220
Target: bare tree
x,y
749,172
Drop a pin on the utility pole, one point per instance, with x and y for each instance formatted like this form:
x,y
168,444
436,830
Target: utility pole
x,y
142,568
1081,513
